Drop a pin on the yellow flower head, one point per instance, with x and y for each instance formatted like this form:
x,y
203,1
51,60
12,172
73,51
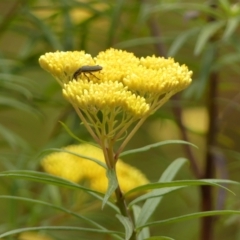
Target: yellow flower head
x,y
76,169
63,65
145,78
92,97
123,90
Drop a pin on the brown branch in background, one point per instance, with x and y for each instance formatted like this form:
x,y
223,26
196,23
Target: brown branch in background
x,y
221,167
209,170
177,110
155,32
207,204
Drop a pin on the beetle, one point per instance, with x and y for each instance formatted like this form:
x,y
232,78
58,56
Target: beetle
x,y
87,69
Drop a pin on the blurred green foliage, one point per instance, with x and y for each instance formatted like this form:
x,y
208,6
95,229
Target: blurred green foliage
x,y
203,36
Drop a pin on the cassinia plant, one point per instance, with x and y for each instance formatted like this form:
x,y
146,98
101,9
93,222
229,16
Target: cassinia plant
x,y
111,93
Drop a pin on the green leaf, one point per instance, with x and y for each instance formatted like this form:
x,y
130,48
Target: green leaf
x,y
44,178
159,238
187,183
55,207
127,225
54,180
180,6
225,5
151,204
181,39
160,192
189,217
58,228
112,185
45,29
71,133
158,144
144,233
12,138
206,33
232,25
102,164
87,220
12,86
10,102
138,42
206,66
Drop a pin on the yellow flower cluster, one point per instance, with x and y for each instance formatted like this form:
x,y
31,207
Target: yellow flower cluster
x,y
62,65
123,90
140,80
76,169
93,97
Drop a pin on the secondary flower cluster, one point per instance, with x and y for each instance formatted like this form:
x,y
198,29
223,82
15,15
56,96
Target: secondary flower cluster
x,y
77,169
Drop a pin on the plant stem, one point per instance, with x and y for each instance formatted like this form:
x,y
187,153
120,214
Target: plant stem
x,y
121,203
120,199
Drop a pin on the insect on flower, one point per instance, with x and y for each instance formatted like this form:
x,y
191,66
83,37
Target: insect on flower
x,y
87,69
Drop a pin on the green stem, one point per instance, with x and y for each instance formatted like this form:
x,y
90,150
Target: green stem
x,y
130,135
120,199
86,124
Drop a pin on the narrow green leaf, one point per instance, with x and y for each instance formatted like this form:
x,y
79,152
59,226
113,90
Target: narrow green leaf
x,y
53,206
9,85
181,39
112,185
189,217
158,144
159,238
187,183
180,6
45,29
54,180
225,4
206,63
58,228
12,138
71,133
102,164
232,25
173,169
151,204
10,102
127,225
207,32
44,178
161,192
144,233
138,42
89,221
